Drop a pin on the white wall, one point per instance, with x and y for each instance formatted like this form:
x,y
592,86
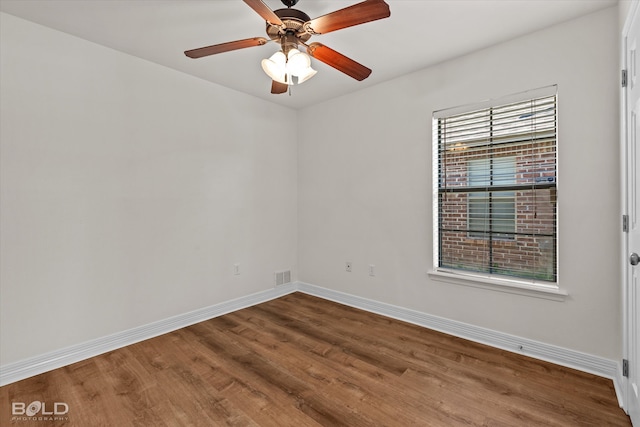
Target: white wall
x,y
128,190
365,186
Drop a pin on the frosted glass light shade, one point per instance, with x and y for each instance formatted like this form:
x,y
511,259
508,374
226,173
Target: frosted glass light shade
x,y
275,67
306,75
279,58
292,52
298,62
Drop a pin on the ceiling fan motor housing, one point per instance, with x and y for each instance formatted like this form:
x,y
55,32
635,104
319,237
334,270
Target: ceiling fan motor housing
x,y
293,21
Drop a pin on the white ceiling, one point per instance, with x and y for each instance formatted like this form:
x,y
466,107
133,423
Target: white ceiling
x,y
418,34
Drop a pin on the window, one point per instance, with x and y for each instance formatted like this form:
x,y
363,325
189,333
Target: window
x,y
495,188
491,211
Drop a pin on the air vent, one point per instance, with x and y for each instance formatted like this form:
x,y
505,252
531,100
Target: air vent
x,y
283,277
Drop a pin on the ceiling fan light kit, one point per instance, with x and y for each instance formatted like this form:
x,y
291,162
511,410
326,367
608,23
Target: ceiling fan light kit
x,y
283,68
292,28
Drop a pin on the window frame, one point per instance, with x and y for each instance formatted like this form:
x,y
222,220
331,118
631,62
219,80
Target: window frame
x,y
518,285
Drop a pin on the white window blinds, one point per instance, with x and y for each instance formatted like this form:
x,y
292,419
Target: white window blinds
x,y
495,187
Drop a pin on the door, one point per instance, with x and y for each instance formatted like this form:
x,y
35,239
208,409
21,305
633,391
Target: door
x,y
631,184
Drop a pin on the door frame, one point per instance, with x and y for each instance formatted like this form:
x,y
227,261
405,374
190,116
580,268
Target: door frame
x,y
625,384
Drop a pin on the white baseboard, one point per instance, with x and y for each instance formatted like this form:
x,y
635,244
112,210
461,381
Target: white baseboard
x,y
26,368
561,356
570,358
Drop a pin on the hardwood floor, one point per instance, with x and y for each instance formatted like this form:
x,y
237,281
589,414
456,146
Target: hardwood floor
x,y
304,361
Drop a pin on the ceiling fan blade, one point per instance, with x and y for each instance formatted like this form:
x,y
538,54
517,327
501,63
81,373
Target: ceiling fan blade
x,y
225,47
366,11
338,61
264,11
277,87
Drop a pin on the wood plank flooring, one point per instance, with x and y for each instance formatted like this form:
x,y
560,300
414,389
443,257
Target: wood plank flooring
x,y
304,361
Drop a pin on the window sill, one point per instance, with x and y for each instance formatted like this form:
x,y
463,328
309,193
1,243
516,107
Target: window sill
x,y
550,292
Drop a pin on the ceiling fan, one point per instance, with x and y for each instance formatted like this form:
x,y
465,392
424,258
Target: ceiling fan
x,y
291,28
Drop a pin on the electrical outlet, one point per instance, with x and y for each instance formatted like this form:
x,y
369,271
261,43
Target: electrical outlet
x,y
347,266
372,270
236,268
